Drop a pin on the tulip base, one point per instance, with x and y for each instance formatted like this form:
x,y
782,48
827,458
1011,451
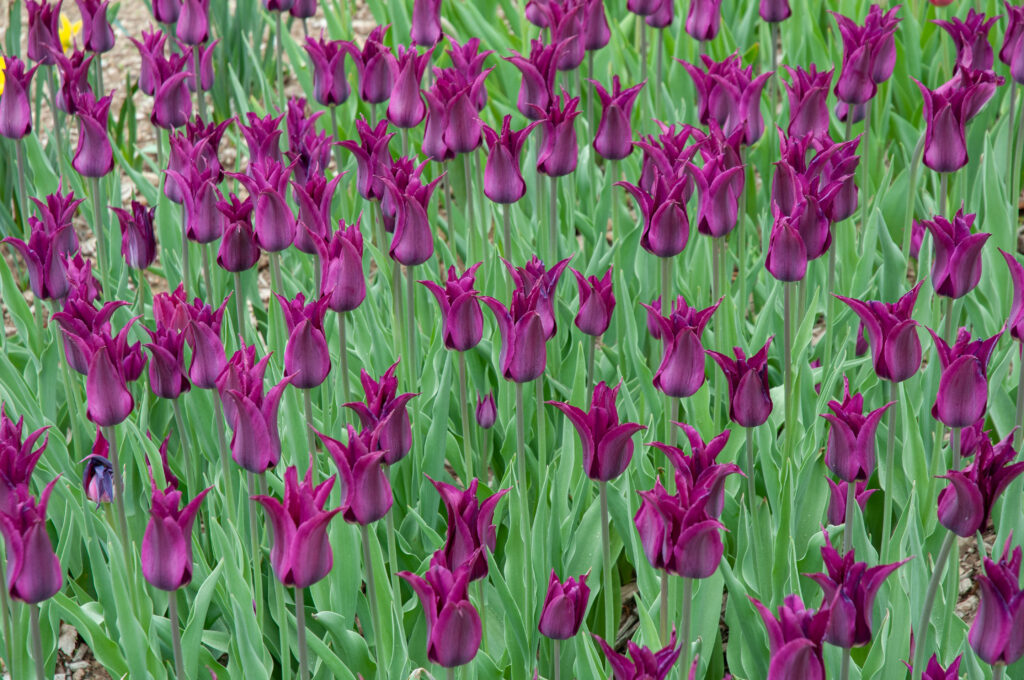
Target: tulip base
x,y
506,224
37,642
921,634
371,597
172,614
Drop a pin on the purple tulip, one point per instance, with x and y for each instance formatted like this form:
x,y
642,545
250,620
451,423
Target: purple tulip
x,y
850,450
614,139
643,664
671,150
536,91
238,250
945,113
787,253
204,222
699,471
138,241
301,554
681,372
193,153
309,151
663,16
405,108
642,7
74,79
1011,52
98,473
15,109
559,154
963,386
17,459
303,9
151,48
166,11
851,588
869,54
957,266
172,102
33,570
193,27
719,188
794,639
666,227
750,402
44,31
837,499
377,67
205,68
44,257
564,606
468,60
470,529
503,177
486,411
703,19
97,34
997,634
342,282
426,22
607,443
273,220
330,86
1015,319
167,375
314,198
371,152
808,100
278,5
454,630
596,32
167,543
565,23
597,301
729,94
94,156
79,320
774,11
384,413
255,442
461,317
523,352
112,364
677,532
307,360
244,375
970,36
965,505
895,347
412,242
980,87
935,671
452,126
364,484
534,276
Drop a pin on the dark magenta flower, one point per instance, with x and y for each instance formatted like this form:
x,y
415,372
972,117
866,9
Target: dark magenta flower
x,y
166,11
44,31
997,634
729,94
536,91
278,5
307,360
750,402
787,253
774,11
794,639
607,443
1011,52
663,16
719,187
385,414
330,86
559,154
406,108
957,266
666,227
935,671
643,7
313,197
468,60
244,375
33,570
677,532
204,222
342,281
699,471
426,22
376,66
273,220
534,276
138,240
895,347
1015,319
97,34
523,354
238,250
963,386
94,156
703,19
869,54
309,151
681,372
167,543
597,301
167,375
470,528
205,69
970,36
193,153
945,113
79,320
564,606
850,449
412,242
837,494
172,101
808,99
301,554
614,139
851,588
113,363
98,473
202,333
486,411
74,79
596,32
503,177
44,257
364,484
15,108
193,27
453,126
17,459
965,505
150,48
371,153
643,664
255,442
454,630
303,9
565,25
263,137
462,320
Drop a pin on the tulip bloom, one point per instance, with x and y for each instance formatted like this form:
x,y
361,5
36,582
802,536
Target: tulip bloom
x,y
97,33
681,372
33,570
677,532
720,189
365,488
376,66
536,91
963,386
98,474
523,351
255,442
17,459
996,635
934,670
794,639
94,156
342,282
166,11
43,31
486,411
837,499
384,413
461,317
965,505
406,108
643,664
172,102
238,251
301,554
534,276
596,32
851,588
957,266
138,241
970,36
202,333
426,22
167,376
895,347
306,357
371,152
193,26
112,364
15,109
167,543
774,11
454,630
597,301
1015,319
559,154
44,258
945,113
750,402
808,99
330,86
564,606
869,54
470,528
1011,52
729,94
503,178
850,450
614,139
666,227
303,9
703,19
273,220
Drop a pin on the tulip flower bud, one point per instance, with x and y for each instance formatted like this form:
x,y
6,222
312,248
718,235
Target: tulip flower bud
x,y
454,630
330,86
166,553
750,402
238,251
794,639
97,34
33,570
98,474
406,108
645,664
995,635
663,16
703,19
166,11
306,357
956,270
138,240
15,109
364,484
596,32
774,11
895,347
503,178
385,413
597,301
461,317
564,606
426,22
614,139
963,386
486,411
681,372
94,156
850,450
837,499
303,9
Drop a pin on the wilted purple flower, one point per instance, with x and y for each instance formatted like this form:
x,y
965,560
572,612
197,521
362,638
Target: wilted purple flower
x,y
461,317
138,241
681,372
167,375
666,227
774,11
851,588
536,91
614,139
607,443
454,630
850,450
957,266
559,154
699,471
370,153
963,386
167,543
729,94
645,664
808,100
365,489
895,347
301,554
17,459
330,86
376,66
33,570
965,505
426,22
307,360
486,411
43,31
273,220
94,156
470,528
837,499
503,177
703,19
405,108
869,54
238,250
945,113
255,442
597,301
98,473
750,402
996,635
970,36
342,282
564,606
202,333
193,27
97,34
385,414
15,108
794,639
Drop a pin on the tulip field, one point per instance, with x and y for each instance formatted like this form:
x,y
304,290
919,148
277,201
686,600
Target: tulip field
x,y
632,339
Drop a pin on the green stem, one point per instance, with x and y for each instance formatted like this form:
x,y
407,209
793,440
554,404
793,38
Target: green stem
x,y
338,160
613,174
464,412
410,323
610,620
58,123
1019,434
23,209
997,671
241,318
101,243
553,220
389,526
200,98
307,404
371,595
844,673
908,220
542,433
254,543
186,447
865,167
660,50
506,224
172,614
556,660
37,642
468,208
787,367
643,48
300,626
830,318
110,434
921,634
185,268
590,93
888,487
591,379
943,192
947,331
954,444
449,673
204,251
282,634
663,624
279,43
523,489
684,670
343,374
851,502
225,468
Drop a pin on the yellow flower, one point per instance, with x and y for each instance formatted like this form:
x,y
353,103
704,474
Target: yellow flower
x,y
68,31
3,67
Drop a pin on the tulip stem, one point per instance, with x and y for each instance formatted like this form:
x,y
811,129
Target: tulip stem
x,y
851,501
591,349
997,672
643,48
661,68
22,195
890,464
37,642
110,434
844,673
307,405
257,552
410,322
204,251
343,342
954,445
97,225
186,453
282,631
787,367
464,412
865,167
663,624
613,174
337,149
610,622
921,634
5,605
908,221
449,673
58,123
506,224
1011,122
172,614
200,99
279,43
371,596
542,433
240,321
467,184
300,636
185,269
751,486
684,669
389,525
1015,177
524,516
553,220
590,95
1019,422
943,192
